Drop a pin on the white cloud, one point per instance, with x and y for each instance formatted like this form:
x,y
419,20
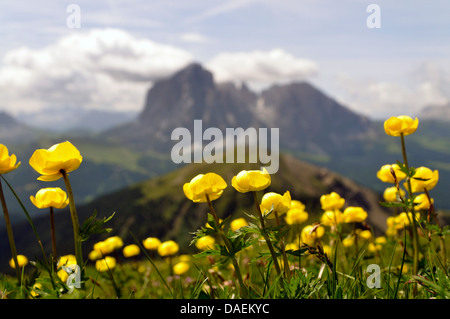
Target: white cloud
x,y
100,69
428,84
193,37
261,68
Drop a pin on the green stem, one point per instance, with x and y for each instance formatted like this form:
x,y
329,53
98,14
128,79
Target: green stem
x,y
413,217
287,271
53,236
230,249
266,237
10,234
75,223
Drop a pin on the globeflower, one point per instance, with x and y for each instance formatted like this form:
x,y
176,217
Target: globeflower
x,y
202,185
311,233
331,201
424,178
251,181
400,125
391,194
50,163
105,264
385,174
332,218
151,243
21,259
296,216
205,242
7,163
50,197
131,251
422,202
238,223
354,215
168,248
181,268
279,203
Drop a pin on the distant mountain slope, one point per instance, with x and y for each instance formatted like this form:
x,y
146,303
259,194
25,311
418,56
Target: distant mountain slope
x,y
158,207
14,132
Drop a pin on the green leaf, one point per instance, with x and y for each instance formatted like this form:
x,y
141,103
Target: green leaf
x,y
93,225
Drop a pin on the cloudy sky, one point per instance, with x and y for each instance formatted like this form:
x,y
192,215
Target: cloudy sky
x,y
105,54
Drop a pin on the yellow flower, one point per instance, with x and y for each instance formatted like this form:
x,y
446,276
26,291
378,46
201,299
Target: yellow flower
x,y
297,204
385,175
364,234
94,255
354,215
201,185
279,203
50,197
60,157
131,251
331,218
331,201
238,223
391,194
310,233
105,247
115,242
151,243
67,260
168,248
404,220
248,181
205,242
348,241
180,268
21,259
397,125
424,178
292,246
296,216
35,290
105,264
422,202
7,163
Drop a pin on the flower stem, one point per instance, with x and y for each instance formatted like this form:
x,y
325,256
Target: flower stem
x,y
75,223
413,217
10,234
52,229
287,271
266,237
230,249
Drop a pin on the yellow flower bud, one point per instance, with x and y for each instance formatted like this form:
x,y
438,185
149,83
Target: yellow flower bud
x,y
396,126
354,215
205,242
50,197
201,185
331,201
424,178
151,243
168,248
385,173
131,251
296,216
7,163
391,194
331,218
105,264
422,202
21,259
253,180
238,223
180,268
279,203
